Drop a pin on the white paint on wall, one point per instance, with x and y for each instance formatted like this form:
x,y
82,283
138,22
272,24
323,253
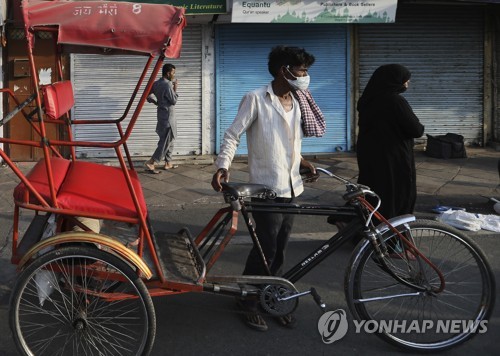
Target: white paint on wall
x,y
45,76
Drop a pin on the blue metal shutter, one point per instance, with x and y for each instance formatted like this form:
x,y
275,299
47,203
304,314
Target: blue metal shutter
x,y
241,64
443,48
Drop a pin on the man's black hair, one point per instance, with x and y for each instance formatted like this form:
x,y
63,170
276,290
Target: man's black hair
x,y
167,68
288,56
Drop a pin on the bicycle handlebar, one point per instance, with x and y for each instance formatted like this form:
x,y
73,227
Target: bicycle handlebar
x,y
354,190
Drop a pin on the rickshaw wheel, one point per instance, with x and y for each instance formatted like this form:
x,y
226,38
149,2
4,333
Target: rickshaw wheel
x,y
61,304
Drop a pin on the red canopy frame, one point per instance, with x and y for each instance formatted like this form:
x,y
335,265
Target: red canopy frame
x,y
105,27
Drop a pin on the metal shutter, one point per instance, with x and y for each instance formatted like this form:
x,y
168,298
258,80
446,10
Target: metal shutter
x,y
496,71
241,64
443,48
104,84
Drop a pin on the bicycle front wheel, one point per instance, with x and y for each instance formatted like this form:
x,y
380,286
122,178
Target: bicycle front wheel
x,y
68,302
422,319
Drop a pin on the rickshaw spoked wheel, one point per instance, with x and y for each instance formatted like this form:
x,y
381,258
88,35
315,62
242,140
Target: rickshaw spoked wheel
x,y
62,304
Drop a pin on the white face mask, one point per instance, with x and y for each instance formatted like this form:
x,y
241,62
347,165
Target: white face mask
x,y
300,83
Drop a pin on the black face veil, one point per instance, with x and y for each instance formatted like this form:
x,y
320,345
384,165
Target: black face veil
x,y
386,79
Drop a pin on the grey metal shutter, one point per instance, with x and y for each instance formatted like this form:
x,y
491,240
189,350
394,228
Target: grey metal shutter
x,y
443,48
241,64
496,87
104,84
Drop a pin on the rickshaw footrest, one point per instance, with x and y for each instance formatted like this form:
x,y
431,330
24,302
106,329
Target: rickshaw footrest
x,y
178,258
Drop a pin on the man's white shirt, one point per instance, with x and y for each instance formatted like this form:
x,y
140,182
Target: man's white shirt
x,y
274,140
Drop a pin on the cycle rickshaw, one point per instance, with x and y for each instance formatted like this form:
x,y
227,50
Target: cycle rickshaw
x,y
81,292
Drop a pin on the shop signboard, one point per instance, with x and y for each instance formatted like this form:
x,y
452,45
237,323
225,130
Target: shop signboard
x,y
314,12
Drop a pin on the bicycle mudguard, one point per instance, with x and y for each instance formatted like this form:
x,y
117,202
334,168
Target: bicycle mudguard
x,y
396,221
381,229
115,246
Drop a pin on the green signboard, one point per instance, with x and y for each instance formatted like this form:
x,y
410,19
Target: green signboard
x,y
200,7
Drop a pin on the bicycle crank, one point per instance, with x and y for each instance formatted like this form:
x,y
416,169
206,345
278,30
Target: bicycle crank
x,y
278,300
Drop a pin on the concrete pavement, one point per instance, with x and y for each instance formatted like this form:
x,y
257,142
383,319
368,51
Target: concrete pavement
x,y
458,182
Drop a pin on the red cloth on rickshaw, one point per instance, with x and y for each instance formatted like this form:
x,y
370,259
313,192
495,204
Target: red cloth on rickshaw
x,y
137,27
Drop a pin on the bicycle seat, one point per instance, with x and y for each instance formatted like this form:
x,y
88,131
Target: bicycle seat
x,y
245,190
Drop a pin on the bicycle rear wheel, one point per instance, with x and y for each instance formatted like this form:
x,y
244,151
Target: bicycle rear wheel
x,y
62,304
422,320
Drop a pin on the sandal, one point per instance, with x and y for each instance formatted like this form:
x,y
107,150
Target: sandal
x,y
170,166
150,167
255,321
251,318
287,321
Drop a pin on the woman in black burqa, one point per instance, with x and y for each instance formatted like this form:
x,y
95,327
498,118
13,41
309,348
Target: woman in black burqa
x,y
387,128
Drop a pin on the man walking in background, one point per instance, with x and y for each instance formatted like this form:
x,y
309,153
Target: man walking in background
x,y
164,95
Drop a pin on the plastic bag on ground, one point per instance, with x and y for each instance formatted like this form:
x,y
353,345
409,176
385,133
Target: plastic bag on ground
x,y
490,222
461,220
469,221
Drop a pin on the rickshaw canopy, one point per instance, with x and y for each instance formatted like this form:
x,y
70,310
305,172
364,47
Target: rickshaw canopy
x,y
142,28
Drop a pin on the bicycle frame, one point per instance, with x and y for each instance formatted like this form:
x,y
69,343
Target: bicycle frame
x,y
326,248
212,233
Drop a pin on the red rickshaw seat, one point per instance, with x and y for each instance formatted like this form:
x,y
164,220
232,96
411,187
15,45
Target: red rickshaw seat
x,y
84,186
40,181
96,188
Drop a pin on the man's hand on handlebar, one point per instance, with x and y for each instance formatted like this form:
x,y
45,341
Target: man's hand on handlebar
x,y
221,174
308,172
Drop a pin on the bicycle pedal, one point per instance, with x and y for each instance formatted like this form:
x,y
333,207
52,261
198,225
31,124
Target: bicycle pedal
x,y
318,300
